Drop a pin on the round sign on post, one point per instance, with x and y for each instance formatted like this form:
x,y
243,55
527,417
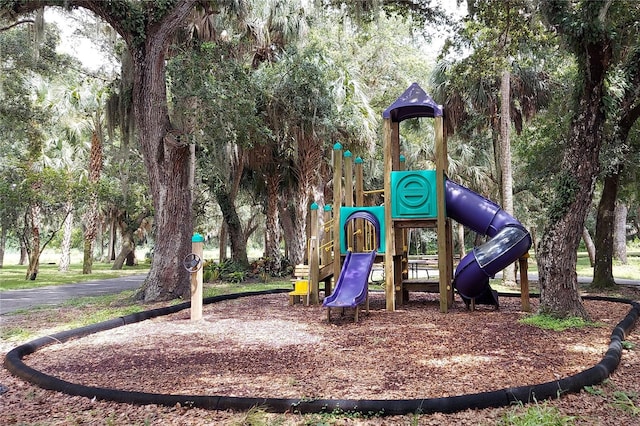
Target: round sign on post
x,y
193,263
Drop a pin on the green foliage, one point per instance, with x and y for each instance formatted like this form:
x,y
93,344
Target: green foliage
x,y
17,54
626,401
255,416
548,322
134,16
565,188
616,398
536,414
225,271
338,416
236,276
15,334
422,12
295,99
594,390
212,89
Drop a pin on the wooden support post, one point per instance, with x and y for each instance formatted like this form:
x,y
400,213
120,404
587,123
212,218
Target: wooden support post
x,y
389,229
348,179
359,184
449,277
337,202
314,257
348,195
325,256
197,248
445,253
523,264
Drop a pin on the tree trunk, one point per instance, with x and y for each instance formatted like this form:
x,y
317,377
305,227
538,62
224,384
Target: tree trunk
x,y
91,217
297,243
273,230
100,240
65,249
226,194
222,240
23,254
573,187
34,264
113,223
309,156
603,267
128,230
620,232
166,154
90,232
590,246
131,257
127,248
166,157
234,228
33,246
3,244
557,257
286,221
509,273
87,256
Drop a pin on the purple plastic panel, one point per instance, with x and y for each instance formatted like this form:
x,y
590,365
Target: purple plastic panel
x,y
500,221
470,280
469,208
509,239
413,103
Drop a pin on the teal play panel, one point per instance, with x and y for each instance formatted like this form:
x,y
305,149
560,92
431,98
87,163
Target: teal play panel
x,y
378,214
413,194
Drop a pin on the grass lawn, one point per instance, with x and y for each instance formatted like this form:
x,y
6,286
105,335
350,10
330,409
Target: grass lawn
x,y
630,270
12,277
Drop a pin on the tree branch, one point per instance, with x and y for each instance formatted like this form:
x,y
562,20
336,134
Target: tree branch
x,y
24,21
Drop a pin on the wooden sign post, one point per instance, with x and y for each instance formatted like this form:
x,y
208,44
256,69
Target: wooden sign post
x,y
197,246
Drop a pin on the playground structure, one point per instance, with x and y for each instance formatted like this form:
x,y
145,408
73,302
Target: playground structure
x,y
412,199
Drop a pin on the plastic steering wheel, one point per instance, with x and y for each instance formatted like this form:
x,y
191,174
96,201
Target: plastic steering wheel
x,y
192,262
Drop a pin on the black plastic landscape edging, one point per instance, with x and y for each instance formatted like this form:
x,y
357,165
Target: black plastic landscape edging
x,y
498,398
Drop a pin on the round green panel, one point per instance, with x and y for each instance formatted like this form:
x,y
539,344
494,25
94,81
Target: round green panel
x,y
413,194
413,191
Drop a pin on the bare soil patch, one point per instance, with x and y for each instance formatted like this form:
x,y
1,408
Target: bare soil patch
x,y
261,347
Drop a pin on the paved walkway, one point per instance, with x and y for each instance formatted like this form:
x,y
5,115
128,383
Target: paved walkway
x,y
13,300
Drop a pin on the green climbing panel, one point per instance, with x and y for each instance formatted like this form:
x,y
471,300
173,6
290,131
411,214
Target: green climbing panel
x,y
413,194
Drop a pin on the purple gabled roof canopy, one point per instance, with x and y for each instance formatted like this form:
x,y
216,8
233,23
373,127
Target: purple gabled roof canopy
x,y
414,102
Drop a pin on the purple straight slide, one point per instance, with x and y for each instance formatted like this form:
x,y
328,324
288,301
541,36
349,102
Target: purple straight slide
x,y
509,239
353,282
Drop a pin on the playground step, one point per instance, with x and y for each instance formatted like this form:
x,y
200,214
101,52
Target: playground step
x,y
421,285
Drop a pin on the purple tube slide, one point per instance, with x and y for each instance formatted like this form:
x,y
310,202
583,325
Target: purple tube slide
x,y
509,239
353,283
